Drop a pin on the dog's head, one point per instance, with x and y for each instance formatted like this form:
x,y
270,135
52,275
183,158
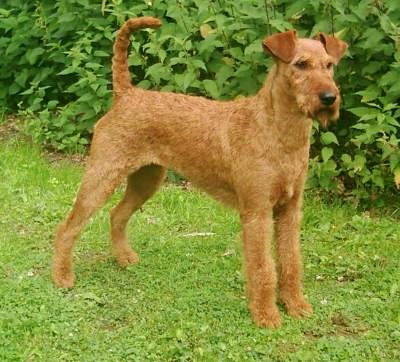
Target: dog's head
x,y
306,66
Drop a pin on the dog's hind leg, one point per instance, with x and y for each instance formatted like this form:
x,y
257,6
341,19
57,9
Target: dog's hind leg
x,y
141,185
99,182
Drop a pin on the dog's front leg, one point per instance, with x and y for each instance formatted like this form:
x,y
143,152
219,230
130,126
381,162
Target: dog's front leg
x,y
288,217
260,268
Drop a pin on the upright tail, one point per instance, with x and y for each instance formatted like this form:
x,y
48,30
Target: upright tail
x,y
120,70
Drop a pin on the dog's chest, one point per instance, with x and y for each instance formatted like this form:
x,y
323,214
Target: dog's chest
x,y
288,180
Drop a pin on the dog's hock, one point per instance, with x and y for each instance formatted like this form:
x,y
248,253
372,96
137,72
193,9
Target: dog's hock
x,y
281,45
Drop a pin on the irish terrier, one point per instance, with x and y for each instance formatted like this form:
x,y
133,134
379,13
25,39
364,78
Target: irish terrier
x,y
251,154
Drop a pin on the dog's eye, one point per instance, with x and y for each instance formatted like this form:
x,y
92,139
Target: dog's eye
x,y
329,65
301,64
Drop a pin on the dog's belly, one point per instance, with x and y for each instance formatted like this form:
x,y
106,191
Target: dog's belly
x,y
202,163
216,185
219,191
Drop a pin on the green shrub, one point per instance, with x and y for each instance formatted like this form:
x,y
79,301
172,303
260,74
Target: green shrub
x,y
56,69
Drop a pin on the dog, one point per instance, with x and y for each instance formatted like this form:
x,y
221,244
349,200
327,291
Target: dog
x,y
250,153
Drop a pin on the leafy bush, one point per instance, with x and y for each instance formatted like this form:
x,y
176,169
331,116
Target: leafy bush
x,y
56,69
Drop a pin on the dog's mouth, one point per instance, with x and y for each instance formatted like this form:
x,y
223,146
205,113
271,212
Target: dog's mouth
x,y
325,114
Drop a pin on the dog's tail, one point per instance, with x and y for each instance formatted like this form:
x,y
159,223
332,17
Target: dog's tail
x,y
120,70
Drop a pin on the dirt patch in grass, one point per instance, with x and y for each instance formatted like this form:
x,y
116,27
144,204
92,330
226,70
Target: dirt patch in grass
x,y
12,128
345,327
342,326
54,156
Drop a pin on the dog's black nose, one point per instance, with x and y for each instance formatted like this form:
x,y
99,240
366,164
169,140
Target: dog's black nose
x,y
327,98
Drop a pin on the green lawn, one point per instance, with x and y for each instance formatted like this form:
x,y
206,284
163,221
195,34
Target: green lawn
x,y
185,299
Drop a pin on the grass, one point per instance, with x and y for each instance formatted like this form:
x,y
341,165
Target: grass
x,y
185,299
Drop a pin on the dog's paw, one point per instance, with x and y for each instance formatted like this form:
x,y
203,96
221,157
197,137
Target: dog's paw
x,y
269,318
63,278
298,307
126,257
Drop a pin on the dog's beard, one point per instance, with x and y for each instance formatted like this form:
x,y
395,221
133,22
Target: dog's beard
x,y
312,108
326,115
323,119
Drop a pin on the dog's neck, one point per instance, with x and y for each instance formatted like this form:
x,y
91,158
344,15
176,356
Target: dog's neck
x,y
284,117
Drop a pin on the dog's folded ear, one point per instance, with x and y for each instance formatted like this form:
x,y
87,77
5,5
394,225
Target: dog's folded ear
x,y
333,46
281,45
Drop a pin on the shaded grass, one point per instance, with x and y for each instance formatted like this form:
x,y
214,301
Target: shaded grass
x,y
185,300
